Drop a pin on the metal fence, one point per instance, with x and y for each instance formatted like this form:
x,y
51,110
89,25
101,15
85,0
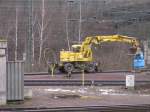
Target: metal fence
x,y
15,80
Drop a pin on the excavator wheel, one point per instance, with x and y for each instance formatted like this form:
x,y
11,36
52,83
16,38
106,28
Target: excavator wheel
x,y
90,68
68,67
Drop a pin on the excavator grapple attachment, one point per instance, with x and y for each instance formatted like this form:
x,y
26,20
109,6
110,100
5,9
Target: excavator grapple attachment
x,y
139,62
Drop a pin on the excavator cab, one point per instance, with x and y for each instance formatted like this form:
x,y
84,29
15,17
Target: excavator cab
x,y
76,47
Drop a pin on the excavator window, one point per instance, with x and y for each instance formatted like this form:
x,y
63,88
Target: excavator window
x,y
76,48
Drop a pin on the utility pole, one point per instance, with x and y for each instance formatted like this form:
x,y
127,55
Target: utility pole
x,y
16,39
29,39
67,23
33,55
80,20
67,33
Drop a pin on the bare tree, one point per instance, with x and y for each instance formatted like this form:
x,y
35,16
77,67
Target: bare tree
x,y
41,30
34,20
42,25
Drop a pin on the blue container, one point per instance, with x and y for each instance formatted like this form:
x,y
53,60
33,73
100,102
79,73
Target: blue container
x,y
139,61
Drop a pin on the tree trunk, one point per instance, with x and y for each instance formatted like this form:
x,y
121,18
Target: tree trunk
x,y
42,29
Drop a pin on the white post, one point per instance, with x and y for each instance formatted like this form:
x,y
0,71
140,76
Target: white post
x,y
3,46
130,81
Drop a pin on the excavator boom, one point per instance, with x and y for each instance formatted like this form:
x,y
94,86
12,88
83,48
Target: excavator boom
x,y
112,38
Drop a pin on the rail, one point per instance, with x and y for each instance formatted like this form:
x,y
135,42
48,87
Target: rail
x,y
110,71
117,108
79,82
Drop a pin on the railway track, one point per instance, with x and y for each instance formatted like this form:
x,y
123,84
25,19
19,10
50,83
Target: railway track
x,y
46,73
119,108
79,82
112,71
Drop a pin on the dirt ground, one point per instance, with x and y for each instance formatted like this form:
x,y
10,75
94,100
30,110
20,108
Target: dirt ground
x,y
85,96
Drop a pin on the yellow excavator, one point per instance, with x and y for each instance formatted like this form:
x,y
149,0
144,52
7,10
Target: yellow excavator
x,y
81,58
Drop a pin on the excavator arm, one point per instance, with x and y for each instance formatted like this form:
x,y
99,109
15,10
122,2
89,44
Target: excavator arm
x,y
138,61
86,45
112,38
